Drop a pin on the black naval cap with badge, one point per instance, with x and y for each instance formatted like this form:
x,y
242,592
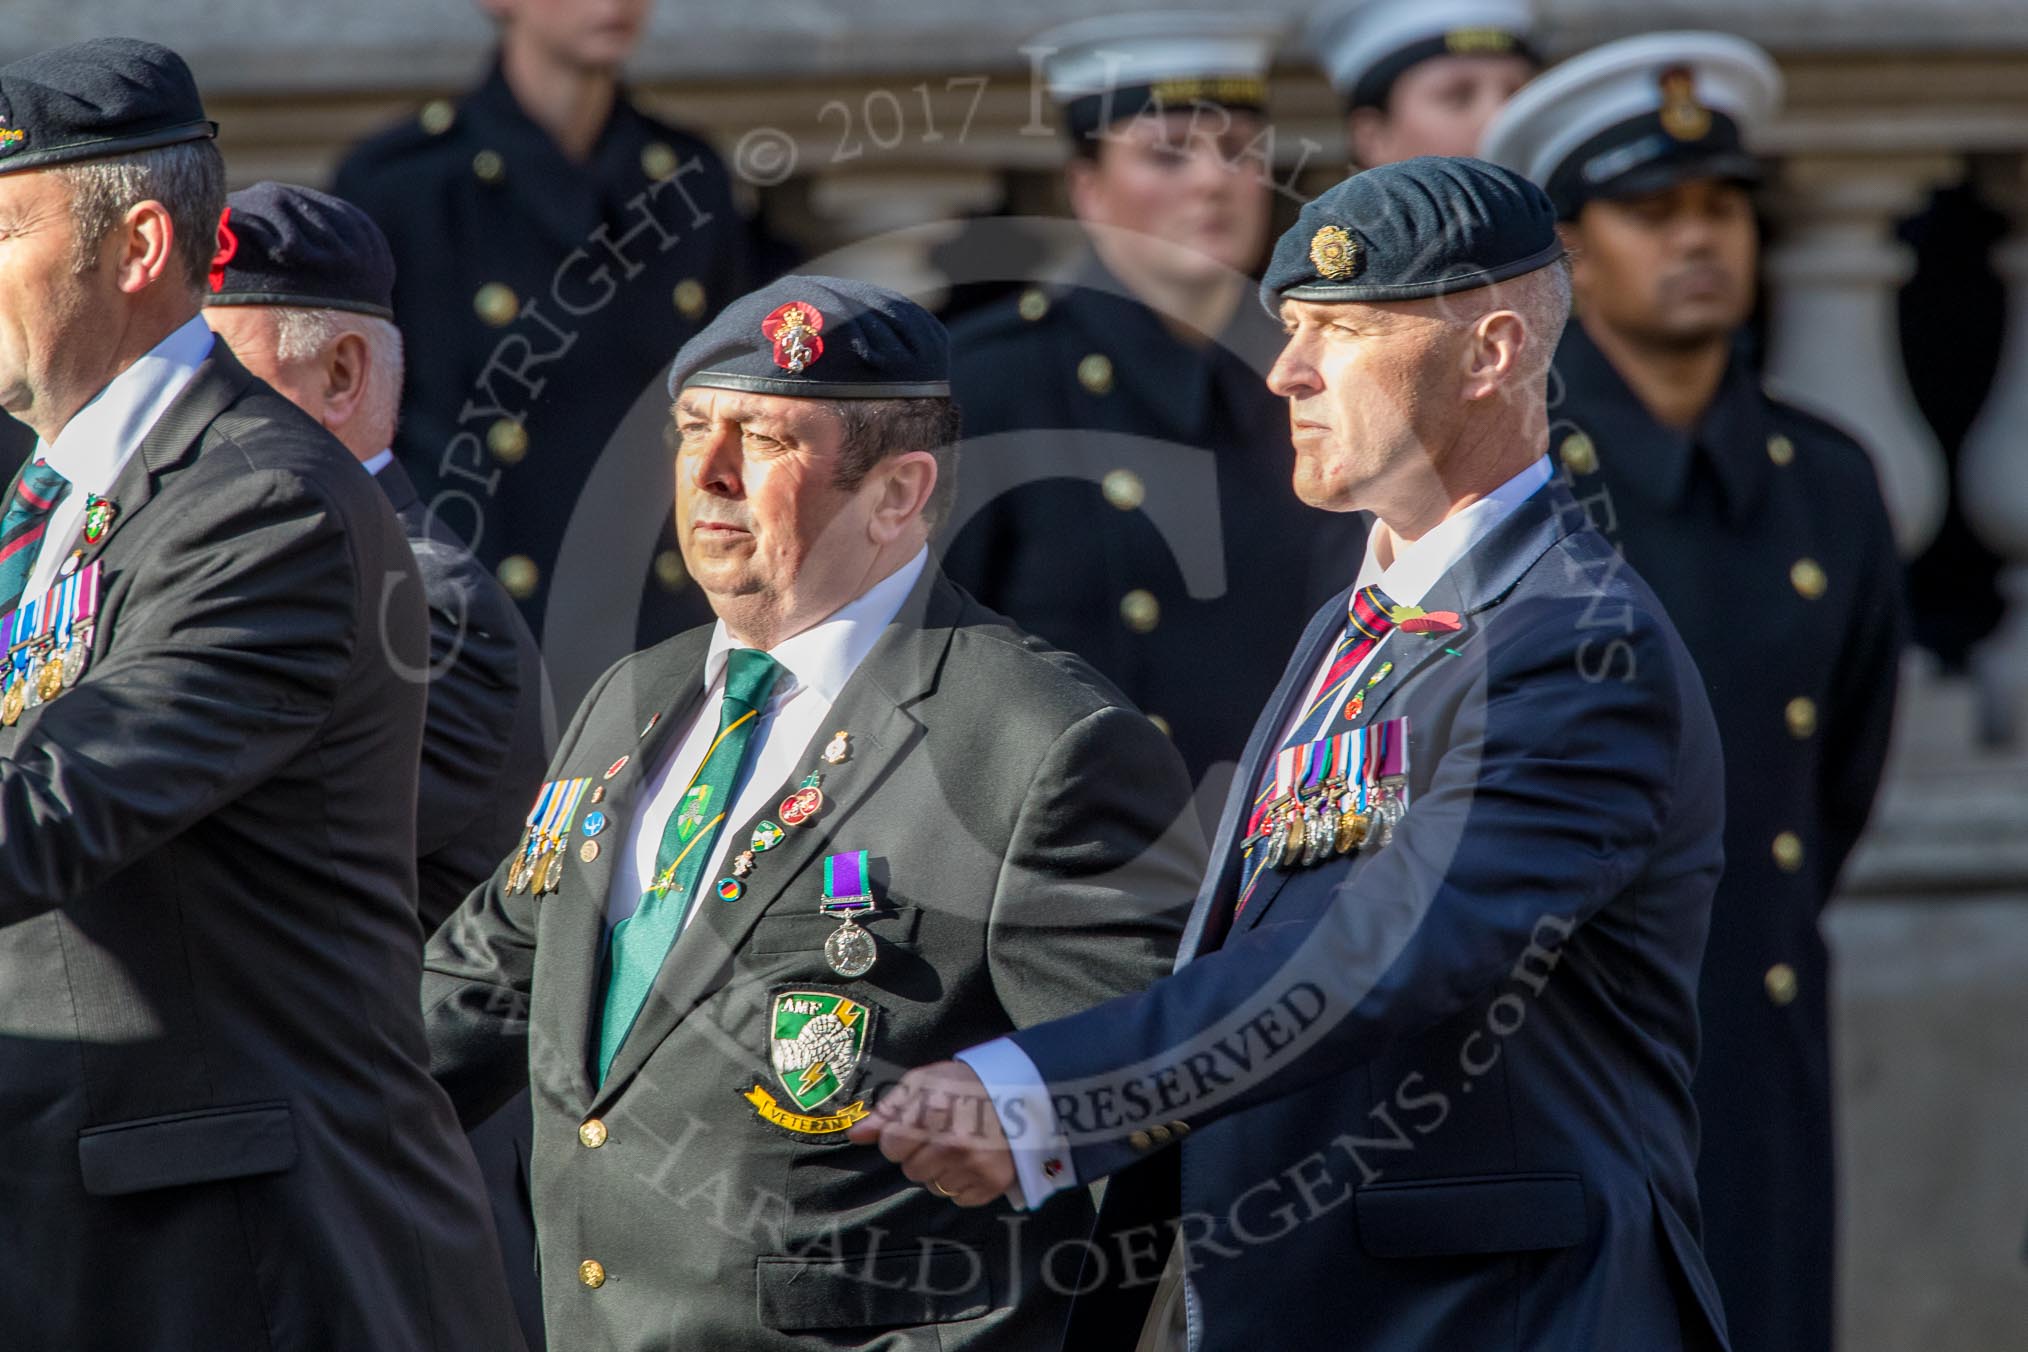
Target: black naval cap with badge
x,y
1364,46
280,244
814,337
94,100
1109,69
1411,230
1637,116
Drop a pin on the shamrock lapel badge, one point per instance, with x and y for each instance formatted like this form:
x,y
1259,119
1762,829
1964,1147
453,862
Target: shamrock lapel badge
x,y
98,517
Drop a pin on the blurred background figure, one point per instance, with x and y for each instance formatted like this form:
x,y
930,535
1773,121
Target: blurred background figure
x,y
302,294
554,245
1134,468
1421,77
1761,527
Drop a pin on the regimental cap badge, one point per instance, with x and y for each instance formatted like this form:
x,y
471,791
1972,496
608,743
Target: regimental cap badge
x,y
1683,117
12,138
793,329
1335,254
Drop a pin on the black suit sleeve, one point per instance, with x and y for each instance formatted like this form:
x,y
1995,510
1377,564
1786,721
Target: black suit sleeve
x,y
220,664
475,681
1100,872
478,970
1860,715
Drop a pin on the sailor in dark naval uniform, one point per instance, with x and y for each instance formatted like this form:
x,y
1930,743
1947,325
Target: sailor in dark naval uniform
x,y
553,245
1133,466
1421,77
1761,528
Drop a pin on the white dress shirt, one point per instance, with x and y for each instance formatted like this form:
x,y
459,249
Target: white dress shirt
x,y
99,440
816,664
378,463
1008,1073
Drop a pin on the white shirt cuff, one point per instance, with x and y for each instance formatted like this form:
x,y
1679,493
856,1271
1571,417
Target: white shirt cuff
x,y
1021,1102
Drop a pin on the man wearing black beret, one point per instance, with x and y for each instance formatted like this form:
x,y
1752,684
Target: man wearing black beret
x,y
1762,529
858,823
301,290
1428,1050
221,1132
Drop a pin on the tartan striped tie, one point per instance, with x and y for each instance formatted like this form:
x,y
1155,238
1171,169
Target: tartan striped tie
x,y
1367,621
36,494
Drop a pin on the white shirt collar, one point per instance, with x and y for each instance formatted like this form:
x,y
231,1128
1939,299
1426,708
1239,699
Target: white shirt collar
x,y
1419,564
379,462
101,437
824,656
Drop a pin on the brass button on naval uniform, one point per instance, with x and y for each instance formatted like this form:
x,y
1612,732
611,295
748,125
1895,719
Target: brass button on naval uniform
x,y
592,1273
1140,611
508,440
1140,1140
436,116
689,297
1780,449
658,161
1123,489
669,570
592,1133
1095,373
1788,851
519,575
1781,983
1034,304
496,303
1577,453
1161,725
489,167
1801,714
1807,577
1159,1135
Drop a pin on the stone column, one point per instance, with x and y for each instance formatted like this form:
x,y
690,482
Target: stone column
x,y
1834,348
1993,470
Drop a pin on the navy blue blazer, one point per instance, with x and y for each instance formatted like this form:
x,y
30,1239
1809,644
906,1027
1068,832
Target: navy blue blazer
x,y
1438,1095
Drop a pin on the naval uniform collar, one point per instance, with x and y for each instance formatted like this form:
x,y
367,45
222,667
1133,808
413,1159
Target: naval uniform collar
x,y
1183,383
537,171
1654,461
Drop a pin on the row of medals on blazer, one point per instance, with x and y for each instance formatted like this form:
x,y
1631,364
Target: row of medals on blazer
x,y
55,662
1306,828
540,869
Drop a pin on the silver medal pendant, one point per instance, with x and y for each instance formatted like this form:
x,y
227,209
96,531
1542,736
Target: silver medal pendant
x,y
1387,812
850,950
1277,844
1327,828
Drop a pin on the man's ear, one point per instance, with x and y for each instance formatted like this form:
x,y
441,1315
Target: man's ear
x,y
905,482
146,247
348,370
1498,341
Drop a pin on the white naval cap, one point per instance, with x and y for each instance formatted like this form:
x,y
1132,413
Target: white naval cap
x,y
1103,70
1638,115
1365,45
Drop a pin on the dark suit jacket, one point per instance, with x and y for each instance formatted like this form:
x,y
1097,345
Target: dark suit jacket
x,y
1438,1096
217,1121
1016,811
483,747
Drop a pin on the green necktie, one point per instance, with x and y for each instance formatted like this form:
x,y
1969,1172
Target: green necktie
x,y
642,940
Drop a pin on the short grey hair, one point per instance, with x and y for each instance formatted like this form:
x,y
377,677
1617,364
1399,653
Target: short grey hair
x,y
187,178
1541,298
875,429
303,334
